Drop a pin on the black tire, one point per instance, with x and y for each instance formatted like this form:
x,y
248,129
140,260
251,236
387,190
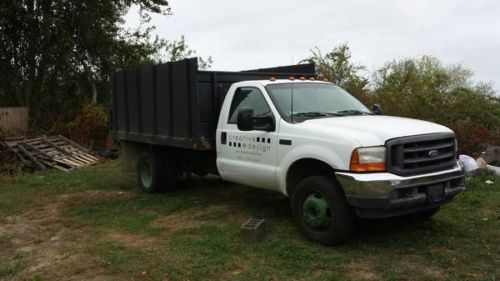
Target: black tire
x,y
171,173
428,214
155,173
338,218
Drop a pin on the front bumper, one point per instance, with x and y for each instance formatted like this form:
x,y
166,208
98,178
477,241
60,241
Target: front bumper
x,y
377,195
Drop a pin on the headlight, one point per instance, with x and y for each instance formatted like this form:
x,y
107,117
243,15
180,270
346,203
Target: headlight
x,y
368,159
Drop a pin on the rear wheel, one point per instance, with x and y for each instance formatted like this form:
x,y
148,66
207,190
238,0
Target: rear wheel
x,y
156,173
321,212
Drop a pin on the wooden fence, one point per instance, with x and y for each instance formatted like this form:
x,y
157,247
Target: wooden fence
x,y
14,120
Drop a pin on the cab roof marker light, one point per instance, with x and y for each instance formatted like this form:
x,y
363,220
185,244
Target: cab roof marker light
x,y
302,78
272,78
291,78
312,78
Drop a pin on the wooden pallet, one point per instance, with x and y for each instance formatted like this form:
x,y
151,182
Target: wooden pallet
x,y
55,152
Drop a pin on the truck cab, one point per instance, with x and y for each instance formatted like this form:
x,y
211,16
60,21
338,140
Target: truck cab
x,y
336,160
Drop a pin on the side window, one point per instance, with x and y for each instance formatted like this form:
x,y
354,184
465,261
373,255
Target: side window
x,y
248,97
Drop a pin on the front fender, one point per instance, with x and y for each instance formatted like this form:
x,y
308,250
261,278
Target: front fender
x,y
309,151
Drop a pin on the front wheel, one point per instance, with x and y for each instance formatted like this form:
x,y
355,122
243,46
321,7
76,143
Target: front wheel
x,y
321,212
428,214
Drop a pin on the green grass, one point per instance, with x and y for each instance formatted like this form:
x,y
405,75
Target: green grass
x,y
9,267
198,237
6,270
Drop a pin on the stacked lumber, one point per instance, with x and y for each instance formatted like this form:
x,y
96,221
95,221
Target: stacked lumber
x,y
55,152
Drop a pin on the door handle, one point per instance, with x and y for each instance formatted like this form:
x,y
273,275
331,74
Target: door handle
x,y
223,138
285,142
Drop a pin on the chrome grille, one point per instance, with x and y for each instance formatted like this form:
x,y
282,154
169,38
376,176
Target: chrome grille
x,y
421,154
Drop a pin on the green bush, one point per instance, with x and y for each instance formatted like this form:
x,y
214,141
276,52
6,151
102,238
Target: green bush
x,y
89,127
423,88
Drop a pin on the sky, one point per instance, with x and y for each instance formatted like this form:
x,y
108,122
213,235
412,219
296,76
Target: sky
x,y
243,35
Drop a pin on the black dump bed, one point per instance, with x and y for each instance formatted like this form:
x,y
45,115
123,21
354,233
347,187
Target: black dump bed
x,y
175,104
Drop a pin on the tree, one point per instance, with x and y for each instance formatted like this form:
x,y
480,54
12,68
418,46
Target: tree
x,y
56,54
336,67
177,50
424,88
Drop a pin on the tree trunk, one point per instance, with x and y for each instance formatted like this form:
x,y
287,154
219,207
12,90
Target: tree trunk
x,y
94,93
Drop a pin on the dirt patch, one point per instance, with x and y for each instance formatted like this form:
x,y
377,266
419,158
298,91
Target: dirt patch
x,y
167,224
221,215
49,246
414,264
215,215
238,267
361,270
90,195
176,221
130,240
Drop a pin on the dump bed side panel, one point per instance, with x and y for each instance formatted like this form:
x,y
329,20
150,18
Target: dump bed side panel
x,y
163,106
146,101
157,104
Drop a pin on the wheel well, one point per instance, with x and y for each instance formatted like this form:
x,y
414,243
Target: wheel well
x,y
304,168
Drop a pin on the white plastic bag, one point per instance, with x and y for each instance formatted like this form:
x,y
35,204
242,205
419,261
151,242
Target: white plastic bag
x,y
469,163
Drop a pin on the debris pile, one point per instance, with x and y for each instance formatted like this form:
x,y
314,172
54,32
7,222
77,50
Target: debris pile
x,y
44,153
485,164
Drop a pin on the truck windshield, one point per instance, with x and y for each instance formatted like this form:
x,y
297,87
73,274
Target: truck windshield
x,y
313,100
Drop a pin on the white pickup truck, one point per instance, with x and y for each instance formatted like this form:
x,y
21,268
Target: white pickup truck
x,y
309,140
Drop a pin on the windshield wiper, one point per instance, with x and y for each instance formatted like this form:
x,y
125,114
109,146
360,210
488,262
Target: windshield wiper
x,y
353,112
315,114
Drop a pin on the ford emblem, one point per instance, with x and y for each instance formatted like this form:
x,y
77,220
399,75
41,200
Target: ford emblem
x,y
433,153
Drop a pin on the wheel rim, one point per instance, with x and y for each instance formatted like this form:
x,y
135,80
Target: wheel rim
x,y
316,211
146,174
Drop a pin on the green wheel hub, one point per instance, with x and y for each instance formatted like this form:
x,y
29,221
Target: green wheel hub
x,y
146,174
316,211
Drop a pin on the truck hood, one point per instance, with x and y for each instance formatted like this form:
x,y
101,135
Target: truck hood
x,y
371,130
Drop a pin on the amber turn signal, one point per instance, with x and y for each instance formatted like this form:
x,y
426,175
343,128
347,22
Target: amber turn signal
x,y
358,166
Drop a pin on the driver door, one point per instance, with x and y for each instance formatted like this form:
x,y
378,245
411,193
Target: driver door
x,y
247,157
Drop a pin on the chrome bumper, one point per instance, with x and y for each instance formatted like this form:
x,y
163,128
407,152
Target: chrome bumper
x,y
386,194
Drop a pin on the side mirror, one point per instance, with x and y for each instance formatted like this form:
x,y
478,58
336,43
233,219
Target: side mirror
x,y
376,109
244,120
264,123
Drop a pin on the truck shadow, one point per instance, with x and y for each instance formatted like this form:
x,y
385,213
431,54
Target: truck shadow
x,y
276,208
239,198
406,229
